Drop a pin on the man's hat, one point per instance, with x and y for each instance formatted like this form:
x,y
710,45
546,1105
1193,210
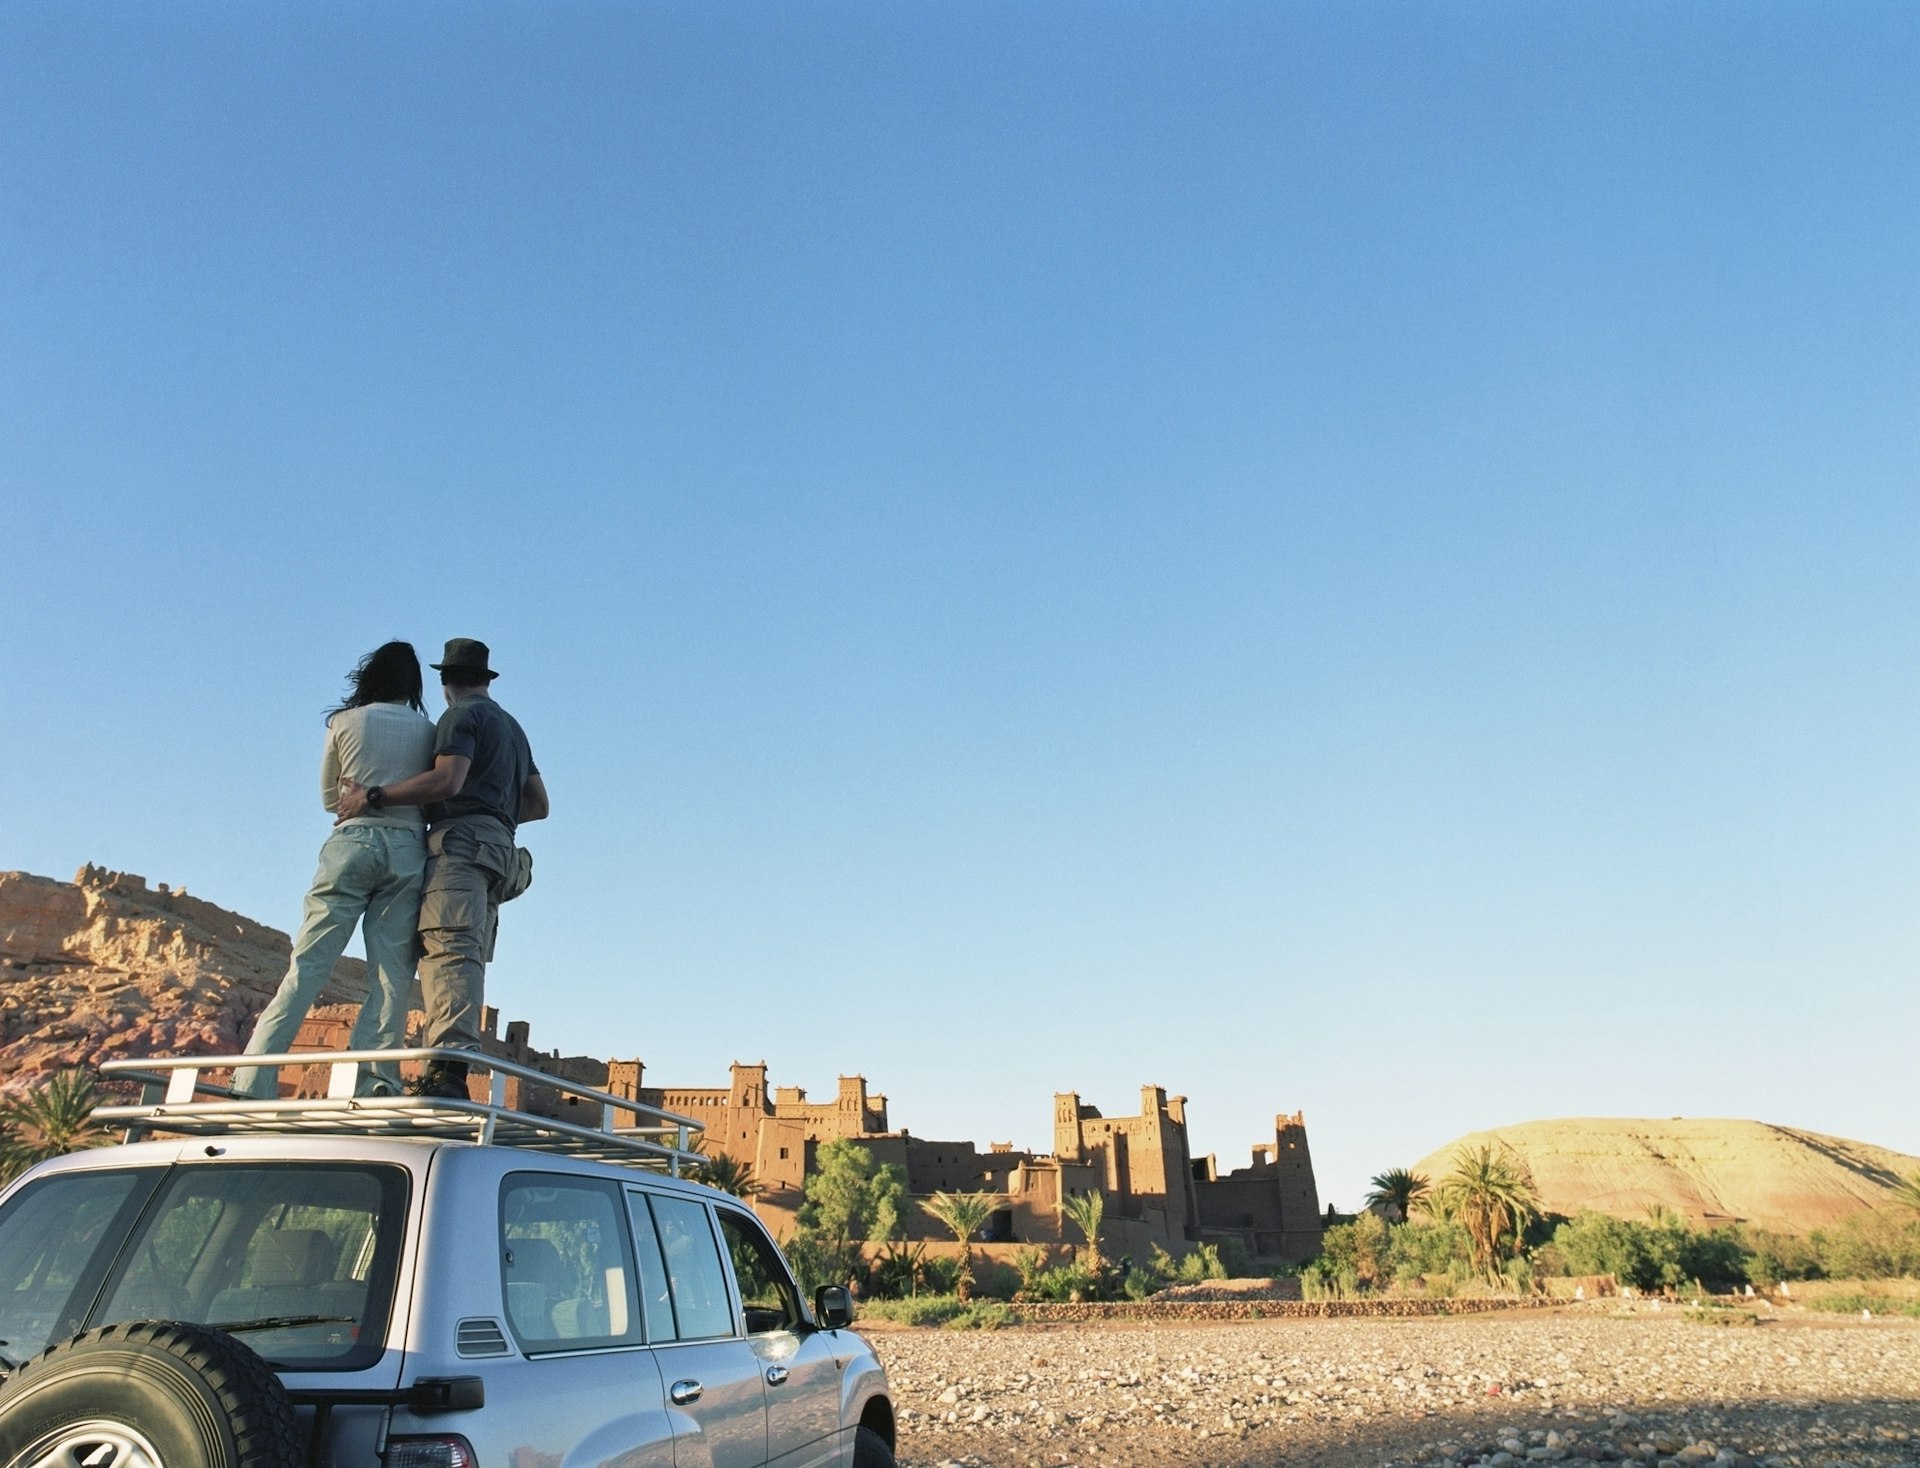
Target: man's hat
x,y
467,658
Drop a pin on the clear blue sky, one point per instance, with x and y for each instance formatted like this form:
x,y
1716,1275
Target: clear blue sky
x,y
1346,557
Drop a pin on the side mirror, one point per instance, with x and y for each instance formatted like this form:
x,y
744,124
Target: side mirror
x,y
832,1307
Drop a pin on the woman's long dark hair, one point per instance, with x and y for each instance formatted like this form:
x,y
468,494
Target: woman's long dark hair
x,y
388,674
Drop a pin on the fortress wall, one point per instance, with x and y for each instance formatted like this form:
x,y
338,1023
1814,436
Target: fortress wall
x,y
780,1154
37,917
1299,1197
1271,1207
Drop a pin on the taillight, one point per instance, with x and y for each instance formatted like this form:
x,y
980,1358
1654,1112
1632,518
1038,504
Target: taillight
x,y
430,1452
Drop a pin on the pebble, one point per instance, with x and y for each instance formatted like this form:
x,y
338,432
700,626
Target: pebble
x,y
1579,1390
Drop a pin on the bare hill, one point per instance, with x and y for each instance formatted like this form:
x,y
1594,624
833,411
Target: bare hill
x,y
104,967
1707,1170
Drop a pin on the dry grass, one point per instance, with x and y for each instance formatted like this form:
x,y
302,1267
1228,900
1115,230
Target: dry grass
x,y
1849,1296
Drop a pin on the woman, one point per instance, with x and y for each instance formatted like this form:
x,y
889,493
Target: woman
x,y
371,869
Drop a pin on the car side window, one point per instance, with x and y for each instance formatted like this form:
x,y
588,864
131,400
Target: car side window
x,y
702,1308
767,1292
564,1263
655,1300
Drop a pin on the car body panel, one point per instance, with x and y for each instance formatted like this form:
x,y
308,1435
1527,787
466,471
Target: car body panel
x,y
791,1396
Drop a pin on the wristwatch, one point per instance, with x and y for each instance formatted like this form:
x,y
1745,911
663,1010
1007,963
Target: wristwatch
x,y
376,798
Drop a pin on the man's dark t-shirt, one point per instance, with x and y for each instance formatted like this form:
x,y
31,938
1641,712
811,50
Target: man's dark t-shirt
x,y
489,736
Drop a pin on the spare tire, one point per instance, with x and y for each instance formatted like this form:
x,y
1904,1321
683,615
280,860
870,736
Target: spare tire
x,y
148,1394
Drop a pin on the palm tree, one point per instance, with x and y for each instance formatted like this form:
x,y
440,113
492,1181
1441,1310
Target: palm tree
x,y
1396,1192
1906,1192
1491,1194
49,1121
964,1214
1085,1213
728,1173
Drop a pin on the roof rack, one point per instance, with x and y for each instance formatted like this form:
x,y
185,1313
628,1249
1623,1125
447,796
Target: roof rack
x,y
175,1100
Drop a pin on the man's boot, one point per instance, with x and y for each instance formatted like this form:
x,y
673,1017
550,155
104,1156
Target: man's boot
x,y
443,1078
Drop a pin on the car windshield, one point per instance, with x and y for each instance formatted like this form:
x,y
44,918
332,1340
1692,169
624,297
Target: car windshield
x,y
300,1258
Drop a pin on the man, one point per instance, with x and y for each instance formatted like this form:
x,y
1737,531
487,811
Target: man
x,y
483,783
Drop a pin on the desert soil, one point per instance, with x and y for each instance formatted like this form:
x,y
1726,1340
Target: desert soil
x,y
1592,1385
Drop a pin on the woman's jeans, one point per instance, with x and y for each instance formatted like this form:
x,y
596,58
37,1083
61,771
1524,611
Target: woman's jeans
x,y
369,874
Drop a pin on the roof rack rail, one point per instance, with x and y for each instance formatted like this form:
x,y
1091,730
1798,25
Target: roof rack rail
x,y
176,1101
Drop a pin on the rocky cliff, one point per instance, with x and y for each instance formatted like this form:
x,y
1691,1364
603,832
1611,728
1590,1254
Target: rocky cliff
x,y
105,967
1706,1170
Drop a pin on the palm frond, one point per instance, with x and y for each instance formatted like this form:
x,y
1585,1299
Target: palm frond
x,y
50,1120
1398,1190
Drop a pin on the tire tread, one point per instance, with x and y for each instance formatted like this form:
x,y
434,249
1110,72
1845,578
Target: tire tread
x,y
266,1433
870,1450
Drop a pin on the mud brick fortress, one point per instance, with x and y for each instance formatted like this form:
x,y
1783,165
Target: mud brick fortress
x,y
104,966
1157,1192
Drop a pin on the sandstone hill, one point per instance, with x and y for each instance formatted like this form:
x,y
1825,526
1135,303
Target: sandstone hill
x,y
103,967
1709,1171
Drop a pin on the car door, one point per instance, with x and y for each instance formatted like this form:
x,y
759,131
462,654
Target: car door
x,y
715,1392
801,1366
584,1387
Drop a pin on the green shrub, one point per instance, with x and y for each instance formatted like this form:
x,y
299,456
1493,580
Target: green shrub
x,y
984,1315
1598,1243
939,1276
1359,1249
1201,1264
1029,1262
1853,1302
993,1280
1424,1250
1140,1283
899,1270
1325,1280
1234,1260
1661,1253
1869,1246
1772,1257
917,1310
1198,1265
1518,1275
1664,1252
1064,1282
1714,1258
1549,1262
1703,1313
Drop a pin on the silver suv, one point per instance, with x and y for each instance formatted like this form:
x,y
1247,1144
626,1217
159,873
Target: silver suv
x,y
411,1282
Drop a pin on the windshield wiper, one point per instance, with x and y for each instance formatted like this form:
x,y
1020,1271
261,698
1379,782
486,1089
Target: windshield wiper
x,y
279,1322
7,1363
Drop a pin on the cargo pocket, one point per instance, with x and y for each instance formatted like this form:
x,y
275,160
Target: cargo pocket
x,y
459,906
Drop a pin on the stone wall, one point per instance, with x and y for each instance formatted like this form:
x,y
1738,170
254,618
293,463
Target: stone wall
x,y
1152,1310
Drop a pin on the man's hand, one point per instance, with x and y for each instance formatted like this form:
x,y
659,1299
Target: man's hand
x,y
353,801
444,781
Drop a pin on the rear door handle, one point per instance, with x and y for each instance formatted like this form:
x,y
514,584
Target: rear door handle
x,y
683,1392
776,1375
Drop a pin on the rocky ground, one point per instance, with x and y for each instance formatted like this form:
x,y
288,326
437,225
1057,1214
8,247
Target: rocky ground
x,y
1594,1385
